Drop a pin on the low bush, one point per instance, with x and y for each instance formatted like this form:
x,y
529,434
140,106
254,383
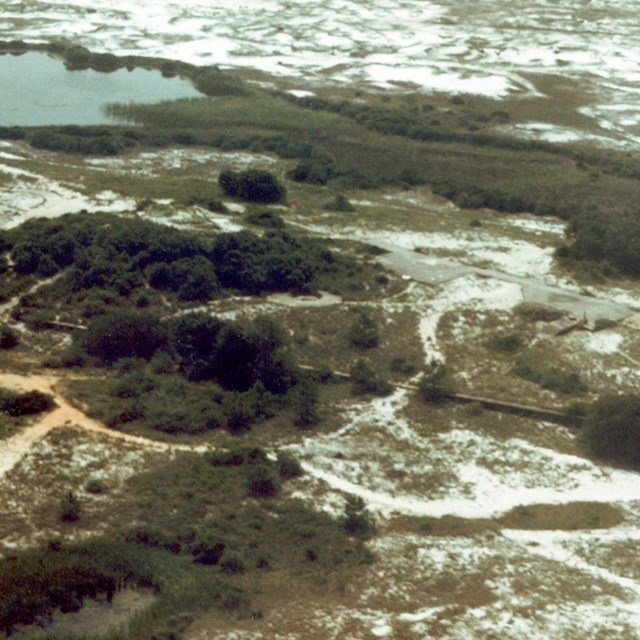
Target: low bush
x,y
365,381
551,378
401,365
435,386
265,218
70,509
340,203
538,312
508,342
363,333
356,520
288,466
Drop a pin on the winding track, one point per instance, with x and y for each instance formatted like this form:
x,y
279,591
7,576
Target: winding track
x,y
64,415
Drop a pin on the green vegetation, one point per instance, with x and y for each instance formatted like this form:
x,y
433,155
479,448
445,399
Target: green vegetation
x,y
213,525
455,150
551,378
214,374
24,404
70,508
8,337
353,145
612,429
105,265
357,521
435,385
365,381
340,203
252,185
507,343
363,333
265,218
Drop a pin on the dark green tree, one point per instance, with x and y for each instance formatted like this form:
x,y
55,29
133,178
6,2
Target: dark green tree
x,y
252,185
124,334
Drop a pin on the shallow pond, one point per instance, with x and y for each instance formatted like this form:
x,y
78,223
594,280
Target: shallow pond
x,y
36,90
96,617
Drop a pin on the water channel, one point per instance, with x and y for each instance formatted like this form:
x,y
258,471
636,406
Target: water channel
x,y
37,90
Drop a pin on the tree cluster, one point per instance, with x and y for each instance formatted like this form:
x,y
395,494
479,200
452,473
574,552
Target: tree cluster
x,y
230,375
102,253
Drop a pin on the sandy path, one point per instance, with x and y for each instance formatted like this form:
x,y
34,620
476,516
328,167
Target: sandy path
x,y
17,446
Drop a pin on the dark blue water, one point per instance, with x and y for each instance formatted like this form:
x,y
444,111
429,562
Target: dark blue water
x,y
36,89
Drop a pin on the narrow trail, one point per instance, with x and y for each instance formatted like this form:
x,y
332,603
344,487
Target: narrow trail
x,y
64,415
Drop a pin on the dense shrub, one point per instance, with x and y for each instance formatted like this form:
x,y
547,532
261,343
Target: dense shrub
x,y
9,338
192,278
234,356
252,185
77,57
612,428
288,466
77,142
24,404
124,334
12,133
277,261
607,238
313,171
262,482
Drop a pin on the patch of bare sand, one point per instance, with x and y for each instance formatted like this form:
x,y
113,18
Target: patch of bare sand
x,y
64,415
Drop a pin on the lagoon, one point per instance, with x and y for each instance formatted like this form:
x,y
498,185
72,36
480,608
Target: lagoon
x,y
37,90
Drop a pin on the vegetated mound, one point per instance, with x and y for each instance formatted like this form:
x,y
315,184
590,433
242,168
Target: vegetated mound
x,y
612,429
107,261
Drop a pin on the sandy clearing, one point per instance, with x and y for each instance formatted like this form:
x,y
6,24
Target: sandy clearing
x,y
64,415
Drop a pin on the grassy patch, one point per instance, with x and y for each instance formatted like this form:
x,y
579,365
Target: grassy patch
x,y
563,517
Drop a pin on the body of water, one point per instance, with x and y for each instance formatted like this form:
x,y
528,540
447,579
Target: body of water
x,y
37,90
488,47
